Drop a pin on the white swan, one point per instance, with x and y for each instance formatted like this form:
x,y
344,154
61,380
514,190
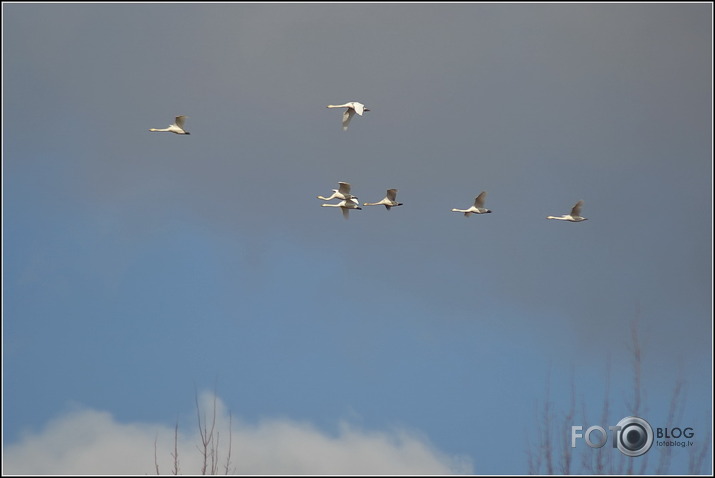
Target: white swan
x,y
346,205
352,108
575,215
388,201
477,208
343,192
177,127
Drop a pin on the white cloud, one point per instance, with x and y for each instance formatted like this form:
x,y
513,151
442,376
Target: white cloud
x,y
93,442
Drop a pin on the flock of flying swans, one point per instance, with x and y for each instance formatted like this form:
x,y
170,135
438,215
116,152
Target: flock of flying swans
x,y
348,201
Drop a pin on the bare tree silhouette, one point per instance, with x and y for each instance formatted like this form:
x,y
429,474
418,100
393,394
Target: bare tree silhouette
x,y
209,443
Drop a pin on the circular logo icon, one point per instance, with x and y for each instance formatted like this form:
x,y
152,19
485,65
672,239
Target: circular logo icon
x,y
635,436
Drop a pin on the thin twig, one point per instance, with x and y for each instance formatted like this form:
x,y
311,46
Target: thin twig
x,y
175,455
230,440
156,463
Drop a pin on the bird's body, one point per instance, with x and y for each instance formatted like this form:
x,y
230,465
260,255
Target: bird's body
x,y
575,215
345,205
343,192
477,207
351,108
390,200
177,127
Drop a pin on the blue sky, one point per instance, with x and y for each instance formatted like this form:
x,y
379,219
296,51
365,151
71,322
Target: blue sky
x,y
140,269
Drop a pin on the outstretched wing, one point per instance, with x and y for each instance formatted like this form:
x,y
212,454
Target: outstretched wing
x,y
358,107
576,210
479,200
179,121
344,188
392,194
347,116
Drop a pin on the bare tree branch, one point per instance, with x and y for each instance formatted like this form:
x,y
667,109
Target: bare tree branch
x,y
228,457
175,455
156,463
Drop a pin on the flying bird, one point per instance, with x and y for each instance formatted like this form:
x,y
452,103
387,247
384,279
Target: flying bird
x,y
477,208
388,201
351,108
343,192
177,127
345,205
575,215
